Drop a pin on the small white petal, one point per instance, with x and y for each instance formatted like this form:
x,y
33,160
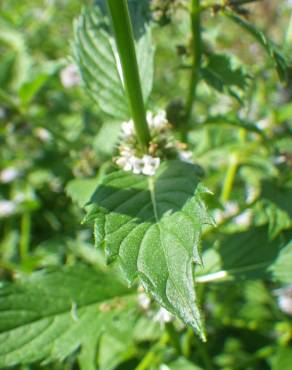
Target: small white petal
x,y
163,316
8,175
43,134
285,299
244,219
70,76
137,165
7,208
148,170
185,156
144,301
124,163
128,129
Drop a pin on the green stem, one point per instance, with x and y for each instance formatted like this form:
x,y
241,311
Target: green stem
x,y
25,236
202,349
229,178
173,337
125,43
187,343
150,357
197,56
232,169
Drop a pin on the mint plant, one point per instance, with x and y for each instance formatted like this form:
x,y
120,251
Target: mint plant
x,y
150,223
174,250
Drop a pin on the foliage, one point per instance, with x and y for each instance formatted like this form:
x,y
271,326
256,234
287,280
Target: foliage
x,y
201,249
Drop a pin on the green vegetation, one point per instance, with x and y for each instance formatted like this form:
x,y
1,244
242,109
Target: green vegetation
x,y
145,185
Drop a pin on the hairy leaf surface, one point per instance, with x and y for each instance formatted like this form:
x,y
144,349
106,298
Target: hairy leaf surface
x,y
50,315
152,225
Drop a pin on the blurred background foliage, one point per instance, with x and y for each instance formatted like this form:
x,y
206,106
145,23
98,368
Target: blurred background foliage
x,y
54,142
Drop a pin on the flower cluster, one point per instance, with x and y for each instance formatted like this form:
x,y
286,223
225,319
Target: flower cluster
x,y
146,165
162,146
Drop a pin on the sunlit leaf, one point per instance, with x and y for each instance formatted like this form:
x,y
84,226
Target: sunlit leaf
x,y
152,226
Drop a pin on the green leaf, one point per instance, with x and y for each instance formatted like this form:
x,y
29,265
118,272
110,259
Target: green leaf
x,y
243,255
277,202
182,364
271,49
105,142
81,190
232,120
117,346
282,267
36,80
282,359
96,55
139,14
278,219
50,315
152,225
22,62
145,58
223,74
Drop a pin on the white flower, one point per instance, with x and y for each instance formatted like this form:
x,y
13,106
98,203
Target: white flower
x,y
263,123
43,134
123,162
7,208
285,299
244,219
146,165
163,316
150,165
70,76
128,129
144,301
230,209
185,156
8,174
157,121
137,165
280,159
164,367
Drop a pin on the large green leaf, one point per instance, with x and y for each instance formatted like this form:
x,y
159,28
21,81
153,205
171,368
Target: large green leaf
x,y
152,225
96,55
50,315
